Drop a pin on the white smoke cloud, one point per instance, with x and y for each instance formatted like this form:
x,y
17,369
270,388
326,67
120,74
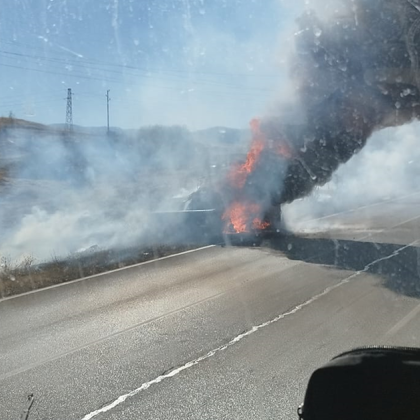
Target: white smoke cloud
x,y
72,229
386,168
64,195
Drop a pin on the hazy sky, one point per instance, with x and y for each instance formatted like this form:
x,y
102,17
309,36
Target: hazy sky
x,y
193,62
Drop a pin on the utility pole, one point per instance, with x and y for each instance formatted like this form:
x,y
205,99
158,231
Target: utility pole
x,y
107,110
69,111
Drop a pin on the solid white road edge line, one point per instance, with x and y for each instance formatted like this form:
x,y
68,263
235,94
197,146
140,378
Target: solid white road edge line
x,y
237,339
106,273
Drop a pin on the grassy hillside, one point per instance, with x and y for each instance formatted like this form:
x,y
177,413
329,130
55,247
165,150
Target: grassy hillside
x,y
18,123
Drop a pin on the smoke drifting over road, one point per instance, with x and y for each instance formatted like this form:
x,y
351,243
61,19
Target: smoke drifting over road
x,y
354,72
386,169
68,193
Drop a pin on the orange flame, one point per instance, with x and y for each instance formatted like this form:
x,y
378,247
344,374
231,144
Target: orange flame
x,y
239,173
258,224
242,216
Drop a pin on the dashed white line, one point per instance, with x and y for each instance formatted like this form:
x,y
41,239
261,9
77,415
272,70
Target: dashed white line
x,y
237,339
377,203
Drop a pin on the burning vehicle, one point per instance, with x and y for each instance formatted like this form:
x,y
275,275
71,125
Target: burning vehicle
x,y
351,75
250,205
243,203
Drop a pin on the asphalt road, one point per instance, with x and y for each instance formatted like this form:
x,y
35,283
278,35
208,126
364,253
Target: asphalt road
x,y
221,332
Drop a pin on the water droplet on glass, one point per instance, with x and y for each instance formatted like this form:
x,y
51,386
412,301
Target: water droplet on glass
x,y
317,32
202,12
398,79
289,247
406,92
342,67
398,105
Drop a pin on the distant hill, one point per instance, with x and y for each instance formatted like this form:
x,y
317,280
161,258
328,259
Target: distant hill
x,y
18,123
90,130
48,152
214,136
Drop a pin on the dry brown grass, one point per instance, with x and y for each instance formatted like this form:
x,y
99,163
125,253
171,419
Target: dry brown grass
x,y
16,122
25,275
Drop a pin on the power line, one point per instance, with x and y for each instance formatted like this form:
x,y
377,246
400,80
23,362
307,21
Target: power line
x,y
173,74
174,78
126,66
24,101
79,76
22,95
211,94
106,79
243,91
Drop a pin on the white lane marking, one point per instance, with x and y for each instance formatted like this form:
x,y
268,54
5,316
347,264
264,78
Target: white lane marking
x,y
237,339
402,322
227,291
388,229
211,353
107,272
207,247
352,210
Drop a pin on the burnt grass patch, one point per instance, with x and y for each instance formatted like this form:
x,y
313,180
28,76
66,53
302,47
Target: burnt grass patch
x,y
26,275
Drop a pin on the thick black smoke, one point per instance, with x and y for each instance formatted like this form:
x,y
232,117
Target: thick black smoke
x,y
354,73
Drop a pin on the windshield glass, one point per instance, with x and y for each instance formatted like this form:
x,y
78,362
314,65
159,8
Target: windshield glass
x,y
201,201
